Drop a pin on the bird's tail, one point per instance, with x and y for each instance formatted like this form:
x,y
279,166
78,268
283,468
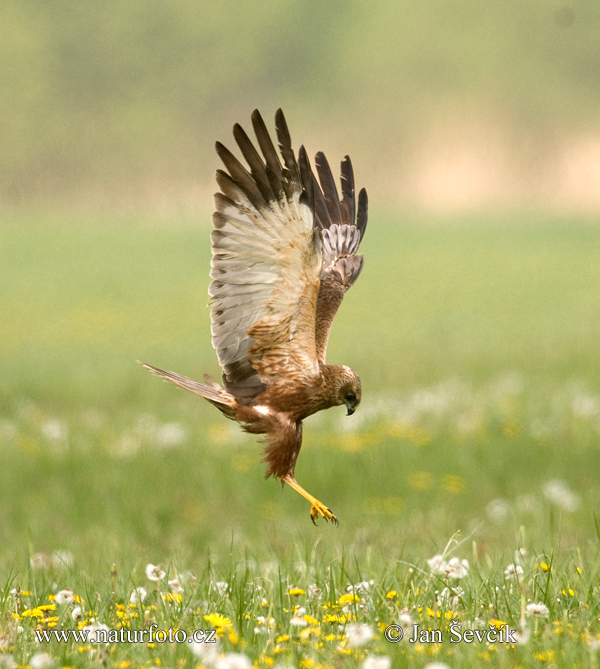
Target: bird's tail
x,y
210,390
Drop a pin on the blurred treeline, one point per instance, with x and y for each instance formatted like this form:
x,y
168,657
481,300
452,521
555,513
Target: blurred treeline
x,y
126,97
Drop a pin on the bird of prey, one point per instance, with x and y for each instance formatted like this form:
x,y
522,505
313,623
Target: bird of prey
x,y
284,253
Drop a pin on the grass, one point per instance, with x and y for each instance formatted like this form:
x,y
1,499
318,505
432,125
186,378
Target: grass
x,y
477,437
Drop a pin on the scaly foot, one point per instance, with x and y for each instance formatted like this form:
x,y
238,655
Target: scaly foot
x,y
316,508
319,508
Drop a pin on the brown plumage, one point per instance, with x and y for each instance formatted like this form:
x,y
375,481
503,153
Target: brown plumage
x,y
284,250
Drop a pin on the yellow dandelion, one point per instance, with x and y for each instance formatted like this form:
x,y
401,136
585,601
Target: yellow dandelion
x,y
392,594
420,481
348,598
545,566
218,620
307,632
453,484
296,591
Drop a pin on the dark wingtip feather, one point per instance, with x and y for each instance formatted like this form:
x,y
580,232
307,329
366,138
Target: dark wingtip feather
x,y
363,208
330,193
348,203
306,177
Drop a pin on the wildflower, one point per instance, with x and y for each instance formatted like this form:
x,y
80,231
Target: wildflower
x,y
76,613
358,634
296,591
457,568
233,661
377,662
498,509
207,653
437,564
7,661
138,595
406,620
314,592
41,661
39,561
93,630
514,571
361,588
154,572
64,597
450,597
55,430
298,619
559,494
170,434
538,610
61,559
392,594
222,587
175,586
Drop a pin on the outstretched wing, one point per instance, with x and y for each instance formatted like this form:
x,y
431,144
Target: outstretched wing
x,y
266,263
342,228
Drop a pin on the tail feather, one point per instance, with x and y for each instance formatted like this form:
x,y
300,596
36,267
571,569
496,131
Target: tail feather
x,y
212,392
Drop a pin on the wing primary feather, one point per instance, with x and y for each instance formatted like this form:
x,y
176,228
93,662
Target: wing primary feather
x,y
363,207
241,176
322,218
330,192
273,165
291,181
255,162
285,142
348,203
306,177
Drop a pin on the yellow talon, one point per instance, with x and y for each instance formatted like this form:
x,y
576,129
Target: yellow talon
x,y
316,508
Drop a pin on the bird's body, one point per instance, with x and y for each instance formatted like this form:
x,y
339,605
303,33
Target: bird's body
x,y
284,254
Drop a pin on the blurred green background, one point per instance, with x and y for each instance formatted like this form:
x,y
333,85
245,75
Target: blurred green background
x,y
474,127
445,103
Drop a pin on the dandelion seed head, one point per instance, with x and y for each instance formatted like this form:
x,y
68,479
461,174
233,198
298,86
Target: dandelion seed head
x,y
560,495
537,610
456,568
138,595
233,661
64,596
498,509
513,571
358,634
176,586
154,572
437,564
376,662
41,661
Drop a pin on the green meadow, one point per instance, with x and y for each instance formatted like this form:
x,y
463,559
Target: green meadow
x,y
477,440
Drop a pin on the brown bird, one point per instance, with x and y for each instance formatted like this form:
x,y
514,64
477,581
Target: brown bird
x,y
284,252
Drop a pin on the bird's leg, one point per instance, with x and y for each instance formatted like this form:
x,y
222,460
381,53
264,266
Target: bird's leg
x,y
316,508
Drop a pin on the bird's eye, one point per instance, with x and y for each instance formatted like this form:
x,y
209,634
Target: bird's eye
x,y
350,397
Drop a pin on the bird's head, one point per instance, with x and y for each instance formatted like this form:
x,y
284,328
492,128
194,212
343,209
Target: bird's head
x,y
349,389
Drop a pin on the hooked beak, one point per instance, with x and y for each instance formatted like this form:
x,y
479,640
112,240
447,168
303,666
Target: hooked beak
x,y
351,410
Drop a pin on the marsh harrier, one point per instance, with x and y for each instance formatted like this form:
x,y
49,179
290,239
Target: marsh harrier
x,y
284,252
